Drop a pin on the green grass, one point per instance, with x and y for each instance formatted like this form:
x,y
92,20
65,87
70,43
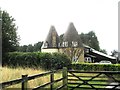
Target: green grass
x,y
15,73
89,76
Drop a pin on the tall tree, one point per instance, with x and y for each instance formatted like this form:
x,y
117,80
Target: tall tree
x,y
61,38
23,48
90,39
116,54
30,48
9,34
103,51
37,46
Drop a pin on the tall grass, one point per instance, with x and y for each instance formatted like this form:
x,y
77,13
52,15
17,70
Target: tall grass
x,y
15,73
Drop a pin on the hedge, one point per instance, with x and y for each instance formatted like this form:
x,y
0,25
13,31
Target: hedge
x,y
37,59
95,67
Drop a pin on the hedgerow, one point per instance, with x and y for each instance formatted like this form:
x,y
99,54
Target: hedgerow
x,y
37,59
95,67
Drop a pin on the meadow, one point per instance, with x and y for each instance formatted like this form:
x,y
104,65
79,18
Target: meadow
x,y
8,74
16,73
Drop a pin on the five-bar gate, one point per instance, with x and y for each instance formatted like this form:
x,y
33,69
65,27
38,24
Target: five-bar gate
x,y
93,80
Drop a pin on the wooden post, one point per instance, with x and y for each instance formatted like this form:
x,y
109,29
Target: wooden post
x,y
24,83
65,78
52,80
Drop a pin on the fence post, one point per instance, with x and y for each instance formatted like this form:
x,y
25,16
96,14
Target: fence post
x,y
52,80
65,78
24,83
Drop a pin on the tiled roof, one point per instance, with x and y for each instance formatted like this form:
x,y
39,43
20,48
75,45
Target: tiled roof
x,y
72,35
49,39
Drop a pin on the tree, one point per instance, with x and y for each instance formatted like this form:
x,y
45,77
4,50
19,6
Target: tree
x,y
30,48
103,51
9,34
116,54
22,48
37,46
90,39
61,38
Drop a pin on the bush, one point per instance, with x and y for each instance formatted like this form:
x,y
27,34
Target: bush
x,y
37,59
95,67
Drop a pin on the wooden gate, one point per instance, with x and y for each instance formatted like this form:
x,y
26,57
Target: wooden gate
x,y
93,80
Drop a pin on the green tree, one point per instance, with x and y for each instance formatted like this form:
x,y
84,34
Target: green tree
x,y
30,48
22,48
61,38
37,46
103,51
114,53
90,39
9,34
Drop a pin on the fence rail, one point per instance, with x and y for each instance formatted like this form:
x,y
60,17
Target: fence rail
x,y
73,79
93,80
25,78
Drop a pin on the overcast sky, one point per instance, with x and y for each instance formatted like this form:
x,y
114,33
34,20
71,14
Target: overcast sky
x,y
35,17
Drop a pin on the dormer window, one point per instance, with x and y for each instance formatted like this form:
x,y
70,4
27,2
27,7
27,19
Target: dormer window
x,y
59,44
65,44
45,44
74,43
87,50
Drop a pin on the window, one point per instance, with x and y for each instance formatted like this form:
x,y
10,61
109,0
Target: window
x,y
75,58
86,50
45,44
65,44
59,44
88,59
74,43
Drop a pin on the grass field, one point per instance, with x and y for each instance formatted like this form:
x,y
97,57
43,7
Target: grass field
x,y
15,73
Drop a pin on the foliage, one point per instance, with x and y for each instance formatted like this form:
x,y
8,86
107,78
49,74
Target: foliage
x,y
37,46
96,67
116,54
31,48
22,48
37,59
61,38
9,33
16,73
90,39
103,51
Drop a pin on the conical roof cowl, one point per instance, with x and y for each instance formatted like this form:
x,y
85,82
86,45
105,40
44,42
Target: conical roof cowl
x,y
52,39
72,35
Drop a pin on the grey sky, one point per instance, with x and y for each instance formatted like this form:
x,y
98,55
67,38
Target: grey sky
x,y
34,18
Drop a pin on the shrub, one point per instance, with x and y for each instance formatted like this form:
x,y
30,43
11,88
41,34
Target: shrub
x,y
96,67
37,59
